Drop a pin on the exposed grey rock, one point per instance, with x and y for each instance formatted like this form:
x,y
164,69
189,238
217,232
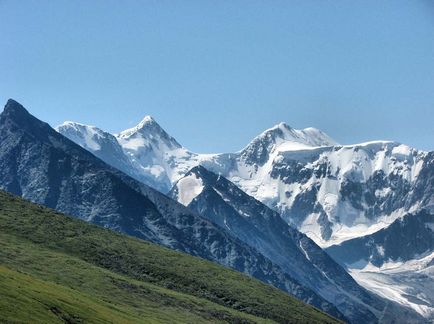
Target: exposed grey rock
x,y
41,165
247,219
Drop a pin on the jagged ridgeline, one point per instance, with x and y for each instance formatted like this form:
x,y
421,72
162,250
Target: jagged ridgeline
x,y
43,166
340,196
56,268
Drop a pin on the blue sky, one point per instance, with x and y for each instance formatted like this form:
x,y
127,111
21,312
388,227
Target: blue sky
x,y
216,73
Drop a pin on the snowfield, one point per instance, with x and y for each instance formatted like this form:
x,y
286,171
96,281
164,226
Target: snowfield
x,y
409,283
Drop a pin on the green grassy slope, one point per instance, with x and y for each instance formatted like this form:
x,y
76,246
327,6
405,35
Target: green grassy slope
x,y
54,268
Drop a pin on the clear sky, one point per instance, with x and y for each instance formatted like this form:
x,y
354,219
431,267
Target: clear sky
x,y
216,73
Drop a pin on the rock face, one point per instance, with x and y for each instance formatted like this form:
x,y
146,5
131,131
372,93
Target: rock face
x,y
422,192
331,193
45,167
247,219
405,239
396,262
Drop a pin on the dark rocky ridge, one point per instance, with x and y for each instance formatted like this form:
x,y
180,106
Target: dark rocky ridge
x,y
255,224
45,167
406,239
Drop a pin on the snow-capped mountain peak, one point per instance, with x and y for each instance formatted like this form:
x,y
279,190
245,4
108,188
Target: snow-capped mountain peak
x,y
150,131
87,136
310,136
147,119
102,144
151,151
317,137
283,138
146,122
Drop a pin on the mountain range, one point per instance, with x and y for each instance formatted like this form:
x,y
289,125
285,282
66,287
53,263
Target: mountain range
x,y
246,210
45,167
331,192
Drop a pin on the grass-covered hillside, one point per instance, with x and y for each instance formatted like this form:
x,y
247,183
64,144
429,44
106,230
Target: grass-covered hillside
x,y
55,268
